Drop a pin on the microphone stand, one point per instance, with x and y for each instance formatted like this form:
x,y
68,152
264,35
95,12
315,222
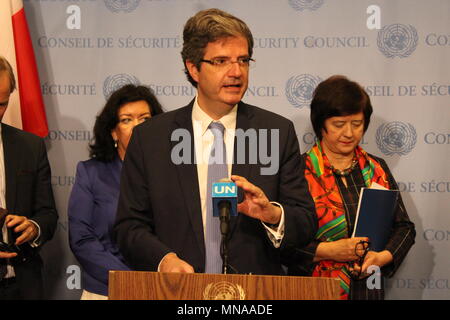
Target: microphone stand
x,y
224,216
224,254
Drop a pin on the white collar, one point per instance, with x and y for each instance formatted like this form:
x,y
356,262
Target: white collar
x,y
200,116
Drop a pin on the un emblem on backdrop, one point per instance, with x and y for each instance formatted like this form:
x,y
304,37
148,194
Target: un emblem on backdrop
x,y
301,5
121,5
114,82
396,138
299,89
397,40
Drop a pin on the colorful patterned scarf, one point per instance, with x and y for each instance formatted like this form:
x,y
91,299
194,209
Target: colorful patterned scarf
x,y
329,206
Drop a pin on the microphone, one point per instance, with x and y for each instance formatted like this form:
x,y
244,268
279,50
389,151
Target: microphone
x,y
224,216
224,197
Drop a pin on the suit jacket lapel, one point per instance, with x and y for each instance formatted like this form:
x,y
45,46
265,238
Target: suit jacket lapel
x,y
188,177
244,116
11,155
116,169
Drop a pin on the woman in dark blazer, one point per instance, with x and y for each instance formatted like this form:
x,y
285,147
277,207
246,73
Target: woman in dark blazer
x,y
93,200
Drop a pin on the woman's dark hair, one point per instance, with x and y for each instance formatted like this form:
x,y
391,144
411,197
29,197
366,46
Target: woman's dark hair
x,y
102,147
338,96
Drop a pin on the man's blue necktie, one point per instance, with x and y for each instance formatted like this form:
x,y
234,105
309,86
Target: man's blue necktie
x,y
217,169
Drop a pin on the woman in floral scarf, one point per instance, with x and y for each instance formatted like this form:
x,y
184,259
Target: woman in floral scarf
x,y
336,169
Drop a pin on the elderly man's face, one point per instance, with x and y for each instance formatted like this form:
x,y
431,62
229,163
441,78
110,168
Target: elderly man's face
x,y
4,93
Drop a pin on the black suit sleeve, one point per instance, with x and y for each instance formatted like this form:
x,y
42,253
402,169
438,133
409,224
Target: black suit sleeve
x,y
43,207
403,232
300,217
134,227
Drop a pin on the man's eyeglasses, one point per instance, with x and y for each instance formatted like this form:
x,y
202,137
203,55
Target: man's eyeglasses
x,y
361,249
225,63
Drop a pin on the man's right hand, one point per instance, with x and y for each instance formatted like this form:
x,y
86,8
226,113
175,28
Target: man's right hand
x,y
171,263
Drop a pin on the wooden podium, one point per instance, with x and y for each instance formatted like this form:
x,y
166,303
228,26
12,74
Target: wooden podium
x,y
138,285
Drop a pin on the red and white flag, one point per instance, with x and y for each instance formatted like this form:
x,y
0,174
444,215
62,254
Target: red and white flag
x,y
26,107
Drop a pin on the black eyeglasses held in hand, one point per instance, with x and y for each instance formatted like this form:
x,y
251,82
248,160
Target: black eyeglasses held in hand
x,y
7,247
361,249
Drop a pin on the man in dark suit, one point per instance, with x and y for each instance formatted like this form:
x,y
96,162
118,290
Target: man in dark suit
x,y
162,219
26,193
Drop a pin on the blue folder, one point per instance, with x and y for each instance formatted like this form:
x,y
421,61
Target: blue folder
x,y
375,216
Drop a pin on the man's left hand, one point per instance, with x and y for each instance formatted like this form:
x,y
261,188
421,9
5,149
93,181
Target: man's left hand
x,y
255,203
22,225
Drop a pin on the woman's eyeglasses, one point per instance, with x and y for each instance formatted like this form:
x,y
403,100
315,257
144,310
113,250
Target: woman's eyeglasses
x,y
361,249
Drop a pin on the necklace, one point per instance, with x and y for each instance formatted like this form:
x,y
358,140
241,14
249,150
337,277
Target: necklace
x,y
347,171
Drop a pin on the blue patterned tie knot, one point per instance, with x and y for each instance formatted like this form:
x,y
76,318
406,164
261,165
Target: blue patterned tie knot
x,y
218,152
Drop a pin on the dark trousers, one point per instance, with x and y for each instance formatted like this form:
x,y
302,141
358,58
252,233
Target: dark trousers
x,y
9,290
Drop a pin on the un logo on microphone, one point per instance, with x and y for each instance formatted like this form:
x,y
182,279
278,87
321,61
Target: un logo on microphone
x,y
397,40
300,89
121,5
396,138
301,5
117,81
